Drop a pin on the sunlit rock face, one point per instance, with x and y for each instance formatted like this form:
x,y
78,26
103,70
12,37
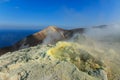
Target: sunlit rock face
x,y
37,63
49,35
71,55
64,61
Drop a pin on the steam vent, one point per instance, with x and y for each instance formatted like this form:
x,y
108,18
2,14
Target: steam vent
x,y
58,54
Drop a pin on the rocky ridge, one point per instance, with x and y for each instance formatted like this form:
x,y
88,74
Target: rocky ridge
x,y
48,35
75,57
46,62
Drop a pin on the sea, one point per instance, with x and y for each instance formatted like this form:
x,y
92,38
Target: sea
x,y
10,37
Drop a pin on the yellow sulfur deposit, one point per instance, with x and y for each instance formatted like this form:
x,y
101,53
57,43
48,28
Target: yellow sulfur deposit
x,y
82,59
60,51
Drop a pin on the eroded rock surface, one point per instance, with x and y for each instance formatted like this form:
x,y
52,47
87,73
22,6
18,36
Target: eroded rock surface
x,y
37,63
63,61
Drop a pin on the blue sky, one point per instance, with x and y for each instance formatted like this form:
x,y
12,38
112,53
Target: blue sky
x,y
62,13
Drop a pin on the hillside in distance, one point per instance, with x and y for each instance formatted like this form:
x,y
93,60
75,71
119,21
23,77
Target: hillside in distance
x,y
50,35
58,54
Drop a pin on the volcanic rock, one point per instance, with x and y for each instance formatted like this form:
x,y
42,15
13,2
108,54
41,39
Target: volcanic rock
x,y
63,61
49,35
